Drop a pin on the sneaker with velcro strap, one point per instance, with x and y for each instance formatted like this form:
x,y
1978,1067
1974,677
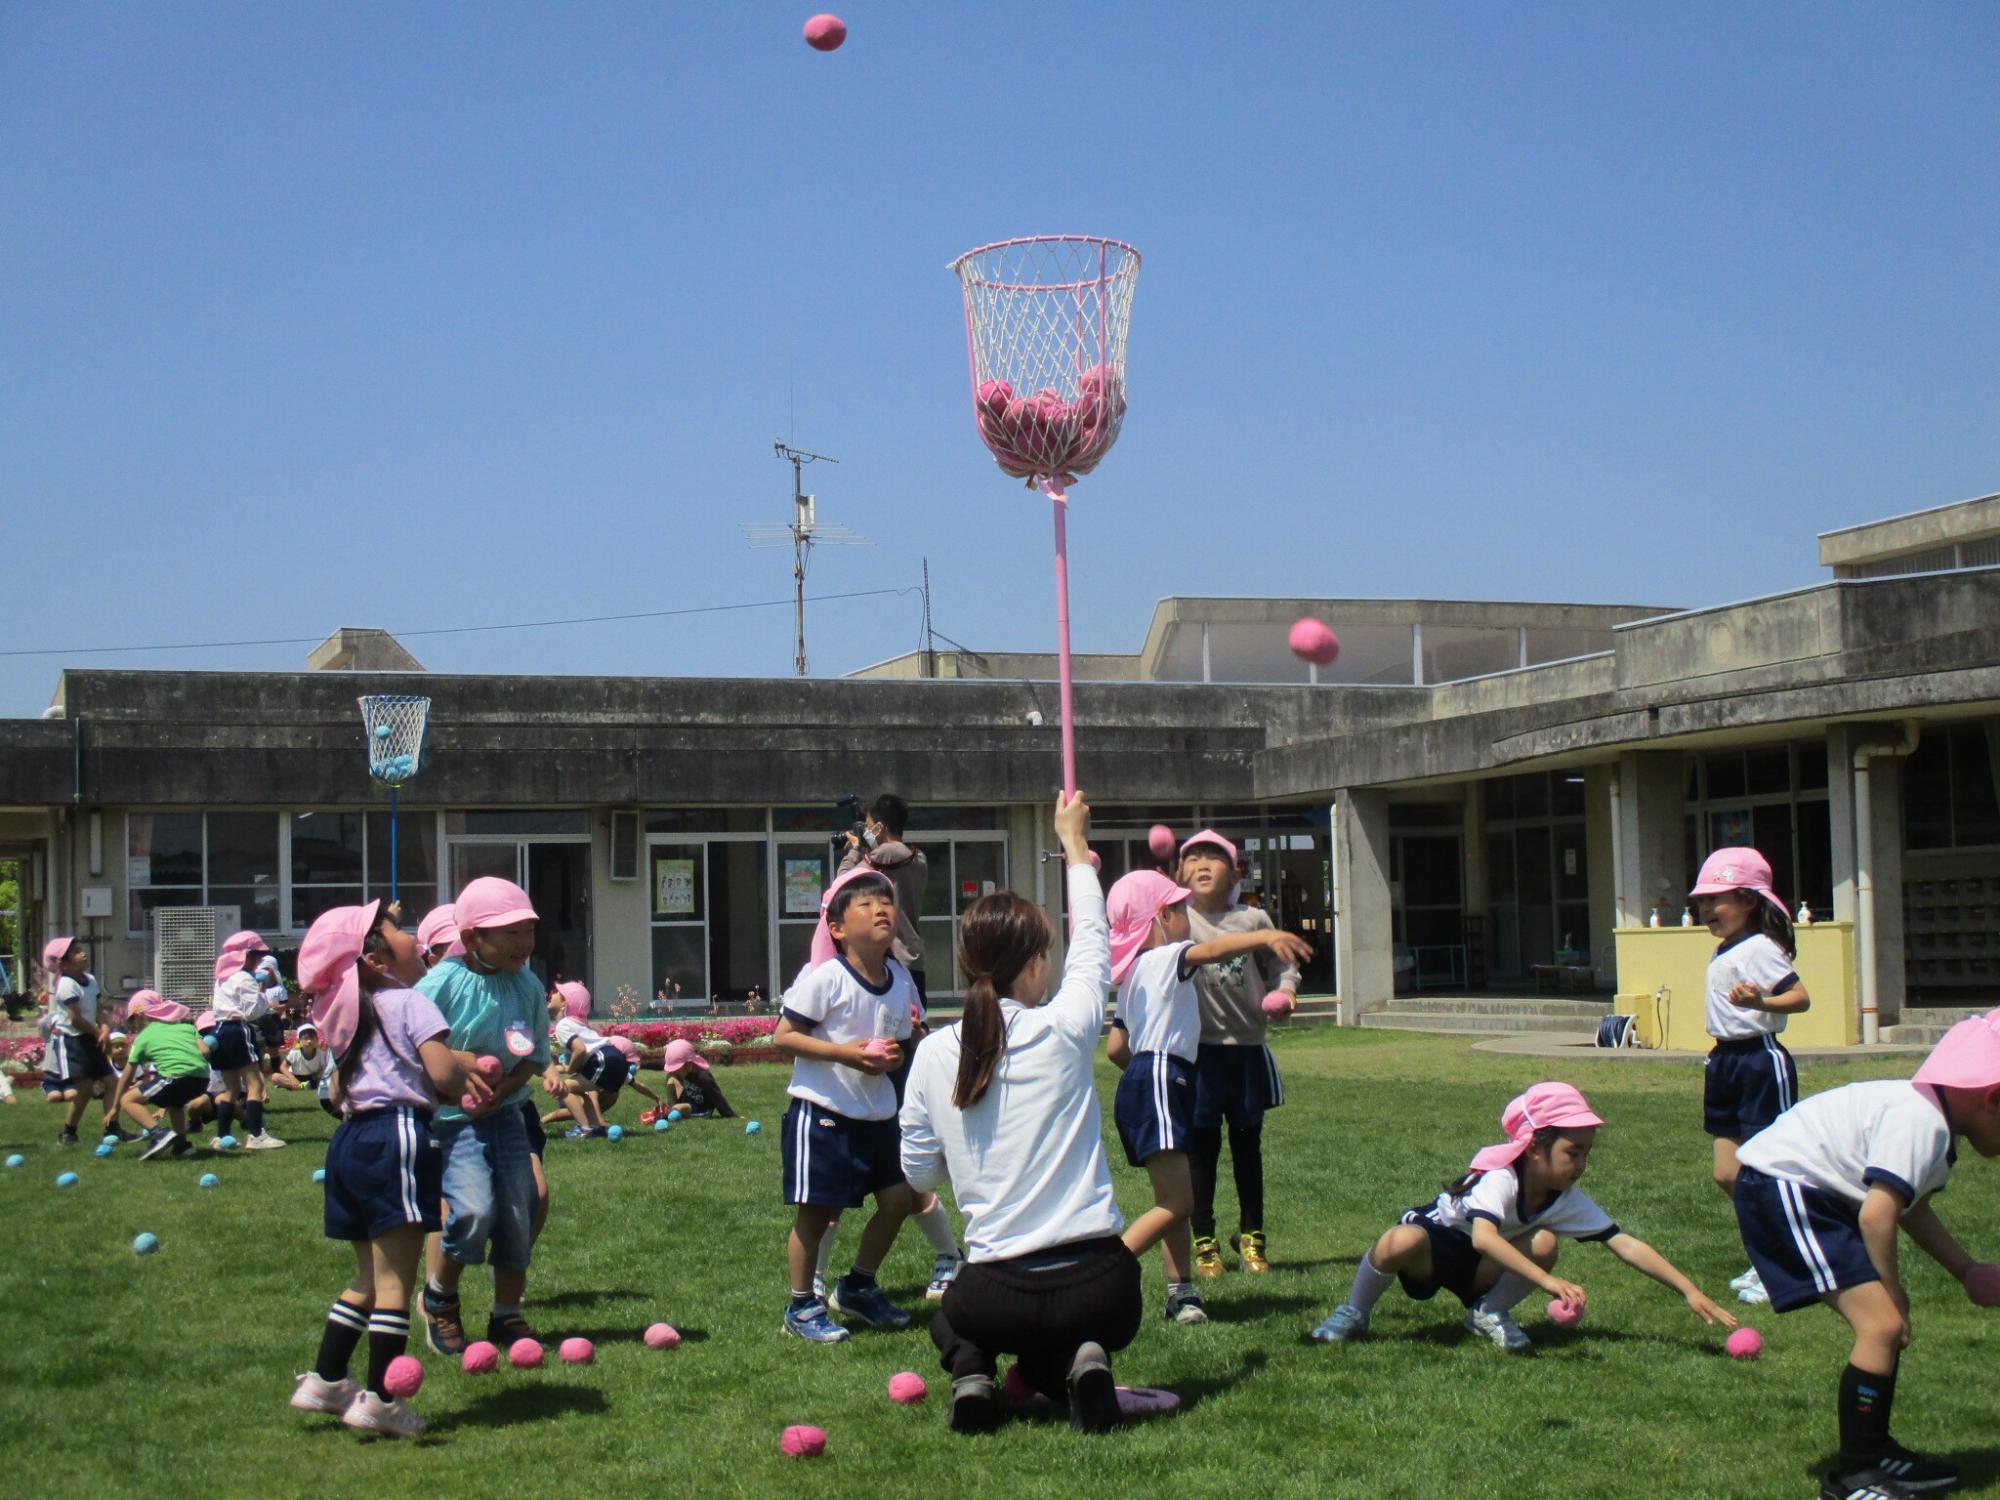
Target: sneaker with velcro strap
x,y
1499,1329
1343,1325
866,1304
810,1322
443,1325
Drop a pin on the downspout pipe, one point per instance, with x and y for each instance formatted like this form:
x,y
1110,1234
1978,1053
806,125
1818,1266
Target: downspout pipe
x,y
1866,751
1617,851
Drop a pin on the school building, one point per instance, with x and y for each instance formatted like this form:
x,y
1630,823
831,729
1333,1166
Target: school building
x,y
1476,799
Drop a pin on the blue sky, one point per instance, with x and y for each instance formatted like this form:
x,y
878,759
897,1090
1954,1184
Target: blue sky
x,y
424,316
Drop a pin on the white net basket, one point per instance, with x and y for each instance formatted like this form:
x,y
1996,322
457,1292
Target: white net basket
x,y
1045,325
395,728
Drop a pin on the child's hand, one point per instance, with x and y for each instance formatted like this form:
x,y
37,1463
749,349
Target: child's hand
x,y
1707,1311
884,1059
1746,995
1289,947
1569,1293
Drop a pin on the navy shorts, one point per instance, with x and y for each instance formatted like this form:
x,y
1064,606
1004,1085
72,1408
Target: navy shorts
x,y
834,1162
384,1169
233,1046
74,1062
1454,1261
1746,1085
607,1069
1803,1241
1154,1105
1236,1084
166,1093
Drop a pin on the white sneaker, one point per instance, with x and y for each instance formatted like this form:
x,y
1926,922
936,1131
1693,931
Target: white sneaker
x,y
1499,1329
330,1396
1751,1290
264,1142
370,1413
1748,1278
944,1271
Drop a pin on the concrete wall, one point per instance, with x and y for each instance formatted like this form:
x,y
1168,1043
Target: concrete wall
x,y
1919,531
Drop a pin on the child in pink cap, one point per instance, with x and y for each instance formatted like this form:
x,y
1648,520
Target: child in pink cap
x,y
74,1067
1752,990
237,1048
1153,1042
692,1081
1493,1234
1820,1196
587,1070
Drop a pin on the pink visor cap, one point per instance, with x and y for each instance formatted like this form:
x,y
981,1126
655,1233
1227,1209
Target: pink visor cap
x,y
681,1054
156,1007
824,949
136,1006
1967,1058
235,954
490,901
1545,1106
575,999
625,1045
1729,870
327,960
54,951
1210,836
440,925
1135,900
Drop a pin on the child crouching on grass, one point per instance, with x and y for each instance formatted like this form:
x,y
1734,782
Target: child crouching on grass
x,y
168,1043
384,1169
1492,1235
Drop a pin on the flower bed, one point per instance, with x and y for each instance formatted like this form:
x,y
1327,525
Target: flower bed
x,y
736,1039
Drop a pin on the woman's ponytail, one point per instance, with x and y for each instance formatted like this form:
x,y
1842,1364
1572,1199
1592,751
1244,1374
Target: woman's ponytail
x,y
998,938
980,1039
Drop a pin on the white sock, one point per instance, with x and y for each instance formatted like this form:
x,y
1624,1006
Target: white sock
x,y
1509,1289
935,1222
826,1249
1369,1285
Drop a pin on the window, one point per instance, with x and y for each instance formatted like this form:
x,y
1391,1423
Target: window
x,y
1771,798
342,859
1951,789
196,859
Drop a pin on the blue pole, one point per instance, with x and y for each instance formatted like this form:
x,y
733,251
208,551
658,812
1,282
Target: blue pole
x,y
392,845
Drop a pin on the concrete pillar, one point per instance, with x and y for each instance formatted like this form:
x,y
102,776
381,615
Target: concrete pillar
x,y
1887,810
1597,855
1840,818
621,921
1652,803
1364,956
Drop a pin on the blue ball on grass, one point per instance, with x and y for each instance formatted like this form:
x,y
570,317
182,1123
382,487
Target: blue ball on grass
x,y
319,1174
615,1133
145,1244
67,1179
225,1142
751,1127
209,1180
103,1149
17,1160
658,1126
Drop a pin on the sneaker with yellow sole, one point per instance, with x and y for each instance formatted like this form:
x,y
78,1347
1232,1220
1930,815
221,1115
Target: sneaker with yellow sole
x,y
1249,1247
1207,1257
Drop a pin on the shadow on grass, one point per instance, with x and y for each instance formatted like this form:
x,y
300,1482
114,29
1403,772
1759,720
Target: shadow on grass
x,y
1306,1267
586,1298
522,1403
1194,1392
1251,1305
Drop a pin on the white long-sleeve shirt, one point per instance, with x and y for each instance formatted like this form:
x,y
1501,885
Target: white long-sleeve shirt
x,y
1026,1163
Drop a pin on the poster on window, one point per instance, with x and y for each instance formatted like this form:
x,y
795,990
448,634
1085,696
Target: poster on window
x,y
673,887
1731,828
802,885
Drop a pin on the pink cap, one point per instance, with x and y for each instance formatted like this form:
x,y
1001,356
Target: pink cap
x,y
1737,870
624,1044
490,901
1543,1106
205,1021
1967,1058
440,925
54,951
327,972
1210,836
681,1054
244,942
575,999
824,949
1135,900
158,1008
139,1001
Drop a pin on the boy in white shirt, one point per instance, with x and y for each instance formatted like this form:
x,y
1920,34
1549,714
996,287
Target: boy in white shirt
x,y
842,1022
74,1067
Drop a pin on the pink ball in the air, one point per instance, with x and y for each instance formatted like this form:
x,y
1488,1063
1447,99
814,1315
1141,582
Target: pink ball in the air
x,y
1562,1314
803,1442
1312,641
1277,1003
1982,1285
576,1351
525,1354
907,1388
404,1377
481,1358
825,32
1097,861
490,1068
662,1336
1161,842
1745,1343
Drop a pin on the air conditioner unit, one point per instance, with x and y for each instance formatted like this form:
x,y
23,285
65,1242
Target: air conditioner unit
x,y
624,845
186,940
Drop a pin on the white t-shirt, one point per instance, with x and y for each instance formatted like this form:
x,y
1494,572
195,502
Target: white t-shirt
x,y
239,998
1497,1196
1158,1005
836,1004
85,993
1746,960
1846,1140
314,1069
1026,1163
570,1029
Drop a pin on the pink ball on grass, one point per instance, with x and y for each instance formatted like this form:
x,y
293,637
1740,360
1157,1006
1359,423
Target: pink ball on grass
x,y
824,33
404,1377
1563,1315
481,1358
907,1388
1277,1003
662,1336
803,1442
1311,640
1745,1343
576,1351
525,1354
1982,1285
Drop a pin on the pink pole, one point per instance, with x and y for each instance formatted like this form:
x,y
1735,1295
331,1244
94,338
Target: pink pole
x,y
1056,493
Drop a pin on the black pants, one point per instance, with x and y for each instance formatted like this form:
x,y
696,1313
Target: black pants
x,y
1039,1308
1246,1162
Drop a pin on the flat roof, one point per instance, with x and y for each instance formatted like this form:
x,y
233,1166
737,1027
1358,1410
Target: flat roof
x,y
1916,531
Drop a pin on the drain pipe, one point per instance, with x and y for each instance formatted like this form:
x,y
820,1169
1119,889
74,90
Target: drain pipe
x,y
1617,852
1864,870
1333,913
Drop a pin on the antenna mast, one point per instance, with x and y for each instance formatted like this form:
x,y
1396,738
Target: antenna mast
x,y
803,532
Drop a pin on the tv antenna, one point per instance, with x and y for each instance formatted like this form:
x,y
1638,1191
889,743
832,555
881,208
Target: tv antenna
x,y
805,531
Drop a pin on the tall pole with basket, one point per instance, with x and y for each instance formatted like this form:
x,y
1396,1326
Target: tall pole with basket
x,y
1045,324
394,724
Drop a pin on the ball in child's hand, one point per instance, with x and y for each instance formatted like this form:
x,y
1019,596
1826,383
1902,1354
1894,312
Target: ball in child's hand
x,y
525,1354
576,1351
878,1048
1311,640
803,1442
404,1377
1982,1285
481,1358
319,1174
1745,1343
662,1336
145,1244
751,1127
489,1068
209,1180
1278,1003
1563,1315
907,1388
103,1149
469,1104
66,1179
17,1160
615,1133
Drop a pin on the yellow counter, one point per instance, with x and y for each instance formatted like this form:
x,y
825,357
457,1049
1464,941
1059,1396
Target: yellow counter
x,y
1677,958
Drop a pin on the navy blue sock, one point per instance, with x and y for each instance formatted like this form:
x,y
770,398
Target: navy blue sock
x,y
225,1116
253,1116
345,1323
859,1279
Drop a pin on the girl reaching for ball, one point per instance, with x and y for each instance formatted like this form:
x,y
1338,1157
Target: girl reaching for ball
x,y
1492,1235
384,1169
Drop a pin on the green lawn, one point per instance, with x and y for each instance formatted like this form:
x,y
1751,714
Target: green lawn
x,y
168,1375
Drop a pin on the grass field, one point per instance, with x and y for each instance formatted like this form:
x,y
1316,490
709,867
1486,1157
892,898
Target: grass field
x,y
168,1375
